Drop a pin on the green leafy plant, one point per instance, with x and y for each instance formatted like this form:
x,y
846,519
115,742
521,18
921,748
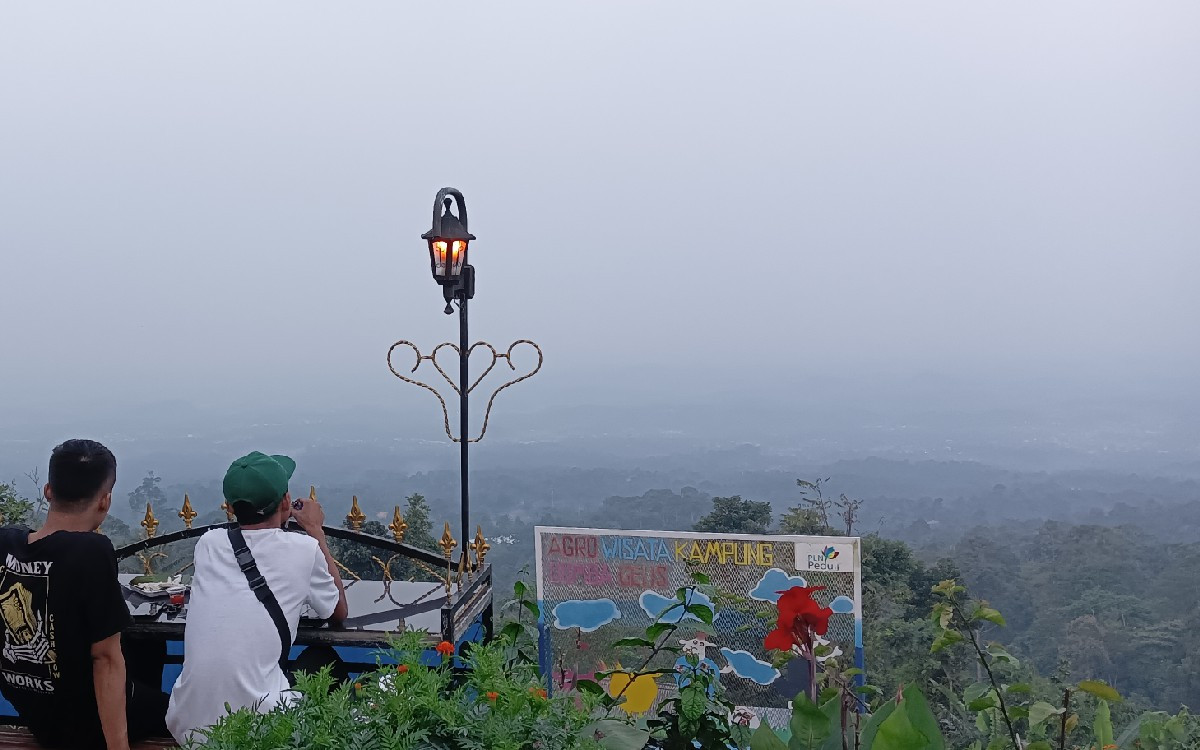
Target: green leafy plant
x,y
495,700
1008,714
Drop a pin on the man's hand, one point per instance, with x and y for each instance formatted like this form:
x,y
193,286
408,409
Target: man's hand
x,y
310,516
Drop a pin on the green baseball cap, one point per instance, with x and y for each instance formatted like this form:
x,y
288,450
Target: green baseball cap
x,y
258,480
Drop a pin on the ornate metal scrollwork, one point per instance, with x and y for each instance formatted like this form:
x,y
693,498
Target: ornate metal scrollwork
x,y
456,387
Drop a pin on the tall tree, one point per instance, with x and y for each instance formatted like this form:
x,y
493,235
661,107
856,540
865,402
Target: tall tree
x,y
804,521
420,528
734,515
14,508
148,492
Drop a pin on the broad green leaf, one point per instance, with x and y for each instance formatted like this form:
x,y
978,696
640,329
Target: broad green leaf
x,y
699,577
985,701
1101,690
589,686
657,629
871,727
1072,722
519,589
703,613
975,691
942,614
948,588
532,607
984,722
1041,711
740,735
1102,725
617,735
897,732
985,613
999,653
765,739
809,724
1021,688
632,642
922,718
692,702
946,639
688,727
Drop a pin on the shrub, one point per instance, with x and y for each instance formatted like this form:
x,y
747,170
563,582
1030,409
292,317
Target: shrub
x,y
483,698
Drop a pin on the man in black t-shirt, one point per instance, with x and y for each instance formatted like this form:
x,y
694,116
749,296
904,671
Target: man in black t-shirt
x,y
62,614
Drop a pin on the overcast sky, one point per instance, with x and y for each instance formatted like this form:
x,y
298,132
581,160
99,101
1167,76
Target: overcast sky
x,y
222,202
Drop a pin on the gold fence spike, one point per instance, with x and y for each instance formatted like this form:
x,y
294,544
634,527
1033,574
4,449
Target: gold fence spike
x,y
312,493
149,523
447,542
187,513
481,547
225,506
355,516
398,525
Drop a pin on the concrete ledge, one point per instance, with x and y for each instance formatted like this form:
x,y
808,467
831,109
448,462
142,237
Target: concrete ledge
x,y
19,737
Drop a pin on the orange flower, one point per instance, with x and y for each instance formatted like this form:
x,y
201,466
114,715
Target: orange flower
x,y
402,668
358,686
446,648
492,696
539,692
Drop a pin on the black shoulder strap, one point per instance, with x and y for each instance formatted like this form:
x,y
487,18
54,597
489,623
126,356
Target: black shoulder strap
x,y
262,591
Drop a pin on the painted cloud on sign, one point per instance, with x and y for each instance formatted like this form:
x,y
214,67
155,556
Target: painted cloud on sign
x,y
585,614
842,604
654,604
747,666
772,582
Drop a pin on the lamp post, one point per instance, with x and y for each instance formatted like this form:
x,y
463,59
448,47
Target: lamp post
x,y
448,240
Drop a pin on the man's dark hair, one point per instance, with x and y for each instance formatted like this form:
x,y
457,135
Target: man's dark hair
x,y
246,515
79,469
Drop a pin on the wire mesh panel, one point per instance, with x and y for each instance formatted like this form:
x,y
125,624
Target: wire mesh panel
x,y
596,586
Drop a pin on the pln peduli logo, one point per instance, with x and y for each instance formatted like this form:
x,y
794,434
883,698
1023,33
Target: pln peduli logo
x,y
826,556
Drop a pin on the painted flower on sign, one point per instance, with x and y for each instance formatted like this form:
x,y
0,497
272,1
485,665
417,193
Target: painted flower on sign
x,y
801,620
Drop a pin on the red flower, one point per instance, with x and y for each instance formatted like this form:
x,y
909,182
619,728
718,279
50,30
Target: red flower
x,y
402,668
800,618
446,648
539,692
492,696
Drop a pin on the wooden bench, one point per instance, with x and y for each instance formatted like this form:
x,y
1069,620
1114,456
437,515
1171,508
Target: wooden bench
x,y
19,737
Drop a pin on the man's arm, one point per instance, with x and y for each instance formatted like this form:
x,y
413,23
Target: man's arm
x,y
310,517
108,676
342,609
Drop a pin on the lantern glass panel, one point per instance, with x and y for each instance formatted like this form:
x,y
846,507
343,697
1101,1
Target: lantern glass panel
x,y
458,255
437,249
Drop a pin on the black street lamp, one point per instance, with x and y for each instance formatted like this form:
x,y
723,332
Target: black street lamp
x,y
448,240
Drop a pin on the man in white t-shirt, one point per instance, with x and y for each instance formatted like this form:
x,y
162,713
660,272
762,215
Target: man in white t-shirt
x,y
231,643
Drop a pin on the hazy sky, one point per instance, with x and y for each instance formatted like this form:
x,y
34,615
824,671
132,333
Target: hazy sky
x,y
222,202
